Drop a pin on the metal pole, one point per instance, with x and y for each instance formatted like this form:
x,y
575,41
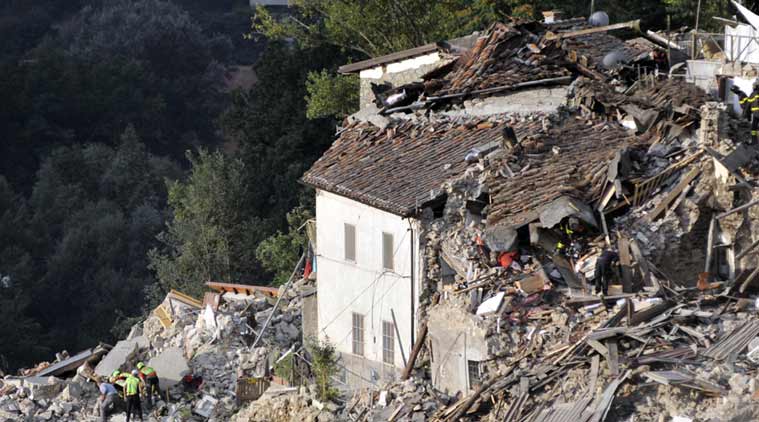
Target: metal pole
x,y
592,6
698,12
279,299
669,48
398,333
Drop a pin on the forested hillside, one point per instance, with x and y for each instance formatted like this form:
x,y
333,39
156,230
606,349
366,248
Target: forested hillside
x,y
128,167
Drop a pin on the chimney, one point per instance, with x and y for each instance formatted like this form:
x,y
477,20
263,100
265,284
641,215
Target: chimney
x,y
551,16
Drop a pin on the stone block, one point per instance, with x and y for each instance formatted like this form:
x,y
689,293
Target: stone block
x,y
43,388
117,357
171,367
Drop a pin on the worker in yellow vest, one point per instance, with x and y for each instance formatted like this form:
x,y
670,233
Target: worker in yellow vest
x,y
118,379
150,377
132,391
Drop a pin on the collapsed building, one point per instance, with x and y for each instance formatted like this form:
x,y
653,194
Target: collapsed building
x,y
461,216
212,357
492,153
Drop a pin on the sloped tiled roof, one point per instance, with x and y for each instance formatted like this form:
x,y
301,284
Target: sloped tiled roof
x,y
566,160
395,169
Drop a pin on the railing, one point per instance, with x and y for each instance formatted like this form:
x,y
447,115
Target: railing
x,y
709,45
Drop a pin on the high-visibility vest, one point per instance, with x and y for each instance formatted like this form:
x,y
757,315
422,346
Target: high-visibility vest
x,y
148,372
132,386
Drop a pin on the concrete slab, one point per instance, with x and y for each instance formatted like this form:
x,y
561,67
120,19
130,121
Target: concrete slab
x,y
171,367
116,358
43,388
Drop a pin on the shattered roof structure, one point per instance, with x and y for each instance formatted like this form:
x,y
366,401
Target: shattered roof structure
x,y
567,160
396,169
517,55
507,56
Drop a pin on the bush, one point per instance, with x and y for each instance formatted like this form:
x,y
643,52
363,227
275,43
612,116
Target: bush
x,y
324,367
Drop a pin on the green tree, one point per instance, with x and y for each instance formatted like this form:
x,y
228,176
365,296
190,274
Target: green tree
x,y
207,238
280,252
277,142
93,215
331,95
375,27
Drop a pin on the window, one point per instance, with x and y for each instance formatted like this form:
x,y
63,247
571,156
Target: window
x,y
358,334
475,376
387,251
350,242
388,343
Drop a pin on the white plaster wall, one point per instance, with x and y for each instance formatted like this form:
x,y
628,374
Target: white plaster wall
x,y
401,66
741,44
363,286
456,338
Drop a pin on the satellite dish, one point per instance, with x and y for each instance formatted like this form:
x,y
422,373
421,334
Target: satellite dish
x,y
614,59
598,19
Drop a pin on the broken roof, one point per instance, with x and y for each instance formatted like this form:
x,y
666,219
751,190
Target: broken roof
x,y
567,160
396,169
461,42
508,55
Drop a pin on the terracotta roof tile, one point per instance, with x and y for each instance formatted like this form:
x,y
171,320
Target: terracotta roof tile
x,y
562,160
396,169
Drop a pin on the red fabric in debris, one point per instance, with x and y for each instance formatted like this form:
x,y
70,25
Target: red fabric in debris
x,y
308,269
506,258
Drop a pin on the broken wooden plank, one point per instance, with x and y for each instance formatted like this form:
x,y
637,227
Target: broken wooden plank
x,y
395,413
598,347
747,250
749,280
398,334
163,316
650,312
414,352
738,209
595,363
634,24
625,263
709,243
642,263
674,193
613,357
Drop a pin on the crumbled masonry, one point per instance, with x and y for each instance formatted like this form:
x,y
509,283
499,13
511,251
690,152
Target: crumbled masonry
x,y
639,180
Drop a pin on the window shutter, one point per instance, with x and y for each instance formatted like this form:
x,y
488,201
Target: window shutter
x,y
350,242
387,251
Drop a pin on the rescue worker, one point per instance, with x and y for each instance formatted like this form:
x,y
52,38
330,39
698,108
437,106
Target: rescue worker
x,y
568,245
107,398
605,271
118,379
750,106
149,377
132,390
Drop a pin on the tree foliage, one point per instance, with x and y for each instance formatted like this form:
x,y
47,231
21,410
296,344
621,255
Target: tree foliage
x,y
207,240
77,248
331,96
324,366
376,27
279,253
277,142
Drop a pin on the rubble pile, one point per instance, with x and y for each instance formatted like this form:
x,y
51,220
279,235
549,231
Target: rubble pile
x,y
199,352
301,406
671,199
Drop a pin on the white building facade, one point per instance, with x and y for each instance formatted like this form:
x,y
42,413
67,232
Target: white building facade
x,y
368,271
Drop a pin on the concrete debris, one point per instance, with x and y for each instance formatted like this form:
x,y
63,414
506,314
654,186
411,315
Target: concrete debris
x,y
594,261
199,360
